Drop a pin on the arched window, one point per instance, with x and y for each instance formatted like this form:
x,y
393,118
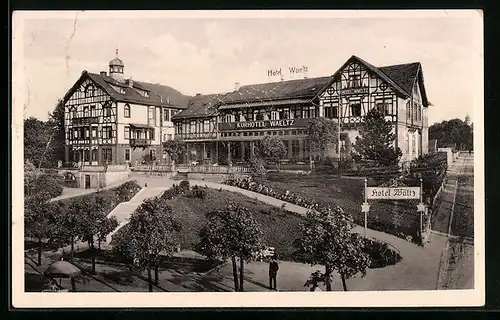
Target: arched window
x,y
126,111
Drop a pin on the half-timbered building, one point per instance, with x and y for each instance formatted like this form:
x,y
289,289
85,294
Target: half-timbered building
x,y
286,108
113,120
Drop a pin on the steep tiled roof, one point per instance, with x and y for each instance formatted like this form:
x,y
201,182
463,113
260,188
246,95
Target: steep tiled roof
x,y
302,88
158,95
201,106
403,74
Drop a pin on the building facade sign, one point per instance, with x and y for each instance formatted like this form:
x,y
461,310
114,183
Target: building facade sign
x,y
349,91
264,124
400,193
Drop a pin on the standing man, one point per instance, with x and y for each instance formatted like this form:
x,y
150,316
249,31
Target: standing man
x,y
273,272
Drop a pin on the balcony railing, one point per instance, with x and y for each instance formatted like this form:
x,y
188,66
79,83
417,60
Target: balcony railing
x,y
85,120
196,135
140,142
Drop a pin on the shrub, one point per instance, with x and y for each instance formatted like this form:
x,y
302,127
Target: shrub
x,y
258,166
49,182
184,186
197,192
171,193
127,191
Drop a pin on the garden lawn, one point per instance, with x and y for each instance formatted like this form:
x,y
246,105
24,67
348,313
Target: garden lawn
x,y
347,193
279,227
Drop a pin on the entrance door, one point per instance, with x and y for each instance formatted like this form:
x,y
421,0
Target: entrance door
x,y
87,181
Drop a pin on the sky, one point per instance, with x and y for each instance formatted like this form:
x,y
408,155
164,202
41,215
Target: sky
x,y
207,52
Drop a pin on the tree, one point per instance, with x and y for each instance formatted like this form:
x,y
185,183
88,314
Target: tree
x,y
40,220
36,140
322,134
271,148
231,232
376,141
56,122
152,229
175,148
453,133
326,239
92,221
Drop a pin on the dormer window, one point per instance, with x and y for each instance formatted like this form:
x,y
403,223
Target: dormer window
x,y
122,90
146,94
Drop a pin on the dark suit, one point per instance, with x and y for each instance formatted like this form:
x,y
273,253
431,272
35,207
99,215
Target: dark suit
x,y
273,272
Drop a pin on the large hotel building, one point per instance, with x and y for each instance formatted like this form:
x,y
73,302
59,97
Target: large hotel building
x,y
110,119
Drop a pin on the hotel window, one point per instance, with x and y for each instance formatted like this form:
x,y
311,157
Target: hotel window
x,y
384,105
87,133
107,154
407,143
107,111
106,132
408,110
151,116
94,132
92,111
75,113
354,81
275,115
413,143
127,154
295,147
126,111
75,134
206,126
86,155
331,111
356,109
297,112
94,154
169,136
166,115
85,111
127,133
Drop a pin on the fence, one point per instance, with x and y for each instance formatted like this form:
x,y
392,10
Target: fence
x,y
192,169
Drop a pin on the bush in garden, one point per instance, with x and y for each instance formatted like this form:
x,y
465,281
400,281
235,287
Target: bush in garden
x,y
127,191
258,166
197,192
49,183
184,186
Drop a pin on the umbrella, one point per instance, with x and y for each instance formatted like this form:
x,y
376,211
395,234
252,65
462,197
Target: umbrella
x,y
63,269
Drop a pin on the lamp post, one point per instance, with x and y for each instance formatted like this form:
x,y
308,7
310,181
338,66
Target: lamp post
x,y
365,207
421,209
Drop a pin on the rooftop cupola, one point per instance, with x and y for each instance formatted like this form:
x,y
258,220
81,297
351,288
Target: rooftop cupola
x,y
116,69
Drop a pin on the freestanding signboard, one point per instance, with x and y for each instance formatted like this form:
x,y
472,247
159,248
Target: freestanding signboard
x,y
392,193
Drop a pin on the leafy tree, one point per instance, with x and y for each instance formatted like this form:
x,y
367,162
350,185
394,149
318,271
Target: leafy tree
x,y
271,148
107,226
40,220
231,232
92,221
175,148
36,141
326,239
257,166
152,229
453,133
322,134
56,123
376,141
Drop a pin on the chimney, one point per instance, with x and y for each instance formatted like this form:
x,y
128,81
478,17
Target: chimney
x,y
198,94
168,99
236,86
103,73
161,98
282,78
130,82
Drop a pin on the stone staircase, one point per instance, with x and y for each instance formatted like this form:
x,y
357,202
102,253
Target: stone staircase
x,y
124,210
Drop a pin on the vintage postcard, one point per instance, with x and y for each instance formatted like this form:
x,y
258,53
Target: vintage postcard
x,y
247,159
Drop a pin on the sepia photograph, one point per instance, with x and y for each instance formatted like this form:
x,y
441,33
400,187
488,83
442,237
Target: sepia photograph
x,y
269,158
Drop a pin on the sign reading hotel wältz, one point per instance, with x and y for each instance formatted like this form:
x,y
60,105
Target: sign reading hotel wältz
x,y
293,72
399,193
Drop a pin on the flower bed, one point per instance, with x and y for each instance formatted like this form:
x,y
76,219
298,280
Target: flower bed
x,y
401,224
